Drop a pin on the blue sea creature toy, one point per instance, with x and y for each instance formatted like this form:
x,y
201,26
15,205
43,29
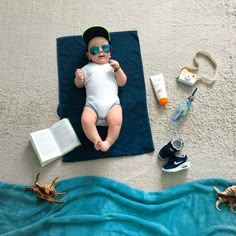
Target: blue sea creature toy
x,y
183,108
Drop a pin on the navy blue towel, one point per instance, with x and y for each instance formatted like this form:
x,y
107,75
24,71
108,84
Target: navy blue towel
x,y
135,136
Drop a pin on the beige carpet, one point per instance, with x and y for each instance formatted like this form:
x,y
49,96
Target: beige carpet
x,y
170,33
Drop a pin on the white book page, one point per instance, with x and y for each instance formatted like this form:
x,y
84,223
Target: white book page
x,y
65,136
45,144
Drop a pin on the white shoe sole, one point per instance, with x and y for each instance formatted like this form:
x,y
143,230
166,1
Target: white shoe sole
x,y
183,166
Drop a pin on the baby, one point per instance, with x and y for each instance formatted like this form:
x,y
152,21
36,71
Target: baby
x,y
101,77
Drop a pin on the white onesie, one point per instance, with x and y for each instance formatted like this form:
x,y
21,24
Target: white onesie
x,y
101,89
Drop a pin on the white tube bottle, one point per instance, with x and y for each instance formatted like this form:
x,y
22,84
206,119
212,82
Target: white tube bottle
x,y
159,86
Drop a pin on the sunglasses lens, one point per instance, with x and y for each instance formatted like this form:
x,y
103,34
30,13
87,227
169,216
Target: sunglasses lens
x,y
94,50
106,48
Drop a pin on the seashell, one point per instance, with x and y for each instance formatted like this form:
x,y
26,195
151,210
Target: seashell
x,y
45,191
227,197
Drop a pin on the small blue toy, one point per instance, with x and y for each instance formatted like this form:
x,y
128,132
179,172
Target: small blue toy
x,y
183,108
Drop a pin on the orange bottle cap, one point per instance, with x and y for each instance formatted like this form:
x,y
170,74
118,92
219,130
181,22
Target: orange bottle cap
x,y
163,101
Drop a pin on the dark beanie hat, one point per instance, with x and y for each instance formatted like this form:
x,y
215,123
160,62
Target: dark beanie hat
x,y
95,31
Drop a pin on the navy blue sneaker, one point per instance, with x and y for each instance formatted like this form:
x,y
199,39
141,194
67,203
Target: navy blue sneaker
x,y
177,163
169,150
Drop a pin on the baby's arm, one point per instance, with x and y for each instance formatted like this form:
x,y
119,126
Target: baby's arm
x,y
121,77
79,78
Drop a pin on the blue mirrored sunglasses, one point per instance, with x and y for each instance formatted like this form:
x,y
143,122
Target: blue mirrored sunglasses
x,y
95,49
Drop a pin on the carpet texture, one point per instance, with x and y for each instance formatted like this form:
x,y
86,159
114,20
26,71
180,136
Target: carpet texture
x,y
135,136
101,206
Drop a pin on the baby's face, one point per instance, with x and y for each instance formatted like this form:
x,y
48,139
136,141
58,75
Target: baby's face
x,y
99,50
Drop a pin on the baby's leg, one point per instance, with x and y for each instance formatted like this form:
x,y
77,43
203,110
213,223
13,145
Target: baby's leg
x,y
88,120
114,121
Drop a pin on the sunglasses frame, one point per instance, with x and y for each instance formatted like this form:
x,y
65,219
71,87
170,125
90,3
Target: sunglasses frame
x,y
95,49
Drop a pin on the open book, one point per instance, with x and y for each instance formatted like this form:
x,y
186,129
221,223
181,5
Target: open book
x,y
54,142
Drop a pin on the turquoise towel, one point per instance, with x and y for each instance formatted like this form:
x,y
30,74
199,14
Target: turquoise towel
x,y
102,206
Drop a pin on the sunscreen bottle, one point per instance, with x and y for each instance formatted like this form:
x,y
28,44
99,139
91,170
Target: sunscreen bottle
x,y
159,86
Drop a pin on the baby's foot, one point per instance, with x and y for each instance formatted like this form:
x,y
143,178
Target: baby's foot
x,y
105,146
98,145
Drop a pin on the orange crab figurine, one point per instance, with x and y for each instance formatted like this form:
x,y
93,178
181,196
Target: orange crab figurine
x,y
45,191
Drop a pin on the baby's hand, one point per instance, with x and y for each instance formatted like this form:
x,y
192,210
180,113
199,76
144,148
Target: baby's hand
x,y
114,64
79,75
